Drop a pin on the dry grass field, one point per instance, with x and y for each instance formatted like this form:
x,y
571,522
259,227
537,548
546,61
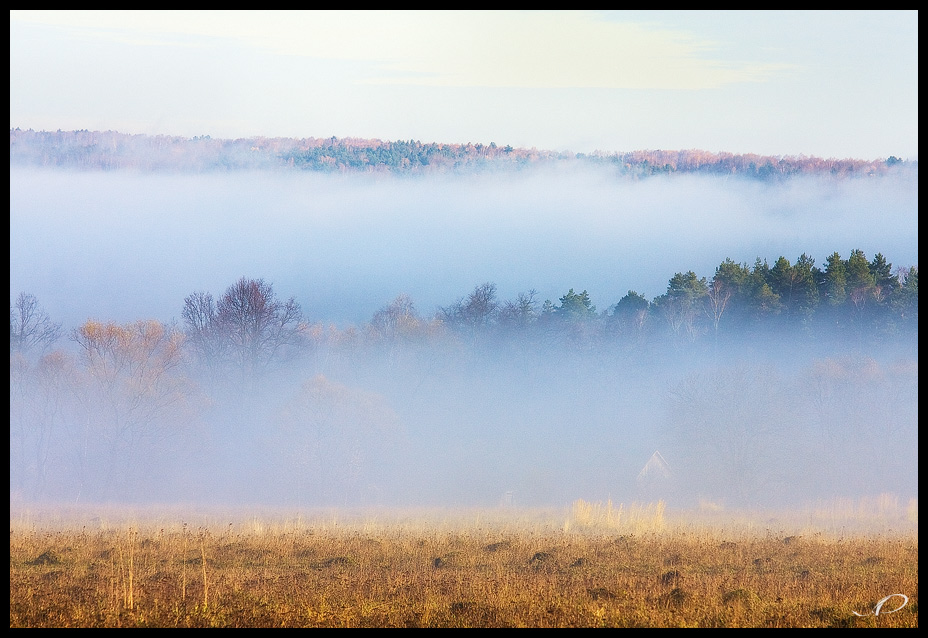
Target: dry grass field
x,y
595,565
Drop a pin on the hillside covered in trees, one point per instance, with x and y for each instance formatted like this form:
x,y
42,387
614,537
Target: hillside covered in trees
x,y
110,150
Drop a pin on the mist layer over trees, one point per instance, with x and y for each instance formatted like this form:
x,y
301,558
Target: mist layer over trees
x,y
111,150
306,340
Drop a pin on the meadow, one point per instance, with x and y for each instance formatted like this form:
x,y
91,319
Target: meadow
x,y
590,565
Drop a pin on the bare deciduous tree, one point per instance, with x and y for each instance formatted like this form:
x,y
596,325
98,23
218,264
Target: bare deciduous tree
x,y
248,326
30,326
40,394
132,393
474,313
521,312
202,327
395,319
132,368
717,298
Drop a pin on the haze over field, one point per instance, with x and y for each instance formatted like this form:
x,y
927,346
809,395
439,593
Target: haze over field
x,y
433,423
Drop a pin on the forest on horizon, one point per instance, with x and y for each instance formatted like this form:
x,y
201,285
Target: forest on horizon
x,y
110,150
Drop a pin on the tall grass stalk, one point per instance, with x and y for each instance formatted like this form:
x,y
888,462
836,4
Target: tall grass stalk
x,y
203,562
183,587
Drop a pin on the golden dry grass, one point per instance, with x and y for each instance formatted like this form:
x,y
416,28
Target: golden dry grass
x,y
598,565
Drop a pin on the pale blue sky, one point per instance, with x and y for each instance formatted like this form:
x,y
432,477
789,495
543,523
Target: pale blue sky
x,y
823,83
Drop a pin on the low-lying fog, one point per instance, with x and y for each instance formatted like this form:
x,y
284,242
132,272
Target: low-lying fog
x,y
123,247
520,425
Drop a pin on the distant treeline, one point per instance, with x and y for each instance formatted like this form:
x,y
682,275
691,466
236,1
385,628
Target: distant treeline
x,y
247,325
110,150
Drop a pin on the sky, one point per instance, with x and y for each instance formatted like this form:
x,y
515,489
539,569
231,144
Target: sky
x,y
833,84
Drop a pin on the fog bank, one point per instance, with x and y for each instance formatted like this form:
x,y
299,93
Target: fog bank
x,y
128,246
451,419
